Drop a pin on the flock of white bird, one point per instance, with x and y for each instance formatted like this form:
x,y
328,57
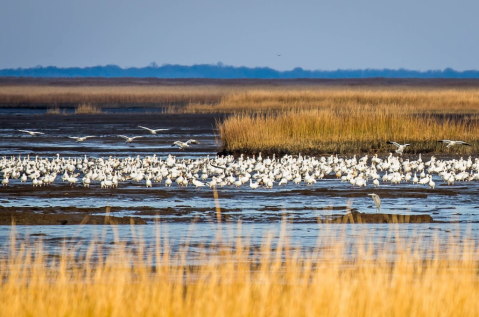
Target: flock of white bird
x,y
222,171
181,145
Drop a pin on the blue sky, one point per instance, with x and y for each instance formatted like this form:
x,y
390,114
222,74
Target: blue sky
x,y
413,34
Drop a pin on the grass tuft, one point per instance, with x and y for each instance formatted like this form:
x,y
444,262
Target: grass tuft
x,y
86,108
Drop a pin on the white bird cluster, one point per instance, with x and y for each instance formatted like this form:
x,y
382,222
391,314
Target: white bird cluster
x,y
181,145
226,171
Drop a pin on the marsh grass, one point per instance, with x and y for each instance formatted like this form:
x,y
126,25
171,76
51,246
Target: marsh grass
x,y
86,108
350,121
417,100
55,110
363,129
111,96
235,278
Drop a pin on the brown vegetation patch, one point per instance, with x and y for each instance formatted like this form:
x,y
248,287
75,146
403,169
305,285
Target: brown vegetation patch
x,y
86,108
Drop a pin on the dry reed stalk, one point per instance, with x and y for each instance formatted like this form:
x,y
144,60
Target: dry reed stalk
x,y
335,279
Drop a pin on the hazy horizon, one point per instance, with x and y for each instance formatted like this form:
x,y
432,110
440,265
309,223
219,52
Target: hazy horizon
x,y
346,34
224,71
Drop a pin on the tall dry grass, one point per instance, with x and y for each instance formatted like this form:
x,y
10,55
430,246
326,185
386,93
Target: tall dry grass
x,y
348,121
334,279
111,96
86,108
418,100
347,130
240,98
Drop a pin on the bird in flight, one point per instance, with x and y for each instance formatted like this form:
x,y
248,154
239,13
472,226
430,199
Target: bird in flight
x,y
400,147
127,139
452,143
32,133
152,131
279,55
80,139
377,201
183,145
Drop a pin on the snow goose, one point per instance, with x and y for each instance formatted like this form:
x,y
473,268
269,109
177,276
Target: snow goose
x,y
127,139
424,181
72,180
5,181
152,131
452,143
80,139
32,133
86,181
431,183
197,183
168,182
400,147
183,145
253,185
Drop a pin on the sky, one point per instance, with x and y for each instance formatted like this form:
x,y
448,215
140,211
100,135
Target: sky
x,y
326,35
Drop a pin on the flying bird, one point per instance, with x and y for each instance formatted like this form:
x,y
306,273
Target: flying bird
x,y
183,145
377,201
32,133
152,131
127,139
80,139
400,147
279,55
452,143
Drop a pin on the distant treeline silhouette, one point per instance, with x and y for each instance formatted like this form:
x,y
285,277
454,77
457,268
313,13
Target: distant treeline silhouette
x,y
222,71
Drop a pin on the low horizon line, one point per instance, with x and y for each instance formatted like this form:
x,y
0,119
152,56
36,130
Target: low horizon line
x,y
222,71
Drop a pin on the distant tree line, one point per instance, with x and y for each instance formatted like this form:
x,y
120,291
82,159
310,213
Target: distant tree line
x,y
221,71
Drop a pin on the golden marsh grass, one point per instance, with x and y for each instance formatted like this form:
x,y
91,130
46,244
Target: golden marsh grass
x,y
112,96
239,280
346,130
419,100
86,108
345,121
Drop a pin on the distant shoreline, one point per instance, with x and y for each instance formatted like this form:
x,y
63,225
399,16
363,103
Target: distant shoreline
x,y
220,71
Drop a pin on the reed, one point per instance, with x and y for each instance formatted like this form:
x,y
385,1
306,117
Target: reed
x,y
55,110
111,96
450,101
348,129
240,98
86,108
236,279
